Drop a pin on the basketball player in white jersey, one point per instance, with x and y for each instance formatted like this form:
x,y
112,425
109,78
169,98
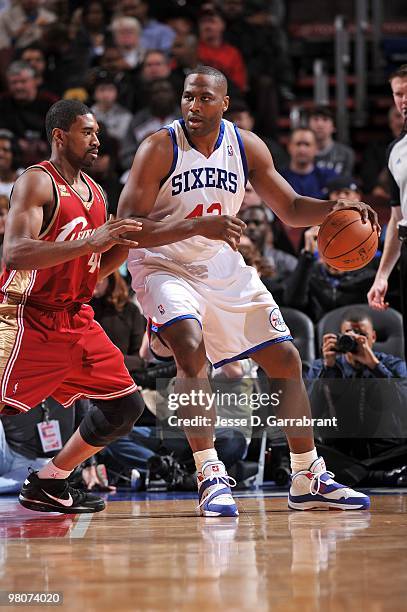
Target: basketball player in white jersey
x,y
199,296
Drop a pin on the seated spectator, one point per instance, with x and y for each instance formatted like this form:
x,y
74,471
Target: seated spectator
x,y
302,173
280,238
184,52
126,80
22,110
22,446
91,29
367,447
214,51
267,60
330,154
156,65
315,288
161,110
120,318
67,63
107,110
104,169
35,56
4,204
362,361
240,114
260,232
344,188
22,23
269,276
374,171
154,35
9,162
126,37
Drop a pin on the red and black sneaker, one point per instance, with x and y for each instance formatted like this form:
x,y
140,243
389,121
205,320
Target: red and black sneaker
x,y
57,495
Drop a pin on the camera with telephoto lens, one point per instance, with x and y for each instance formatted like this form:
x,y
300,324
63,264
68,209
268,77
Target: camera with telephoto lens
x,y
345,343
166,473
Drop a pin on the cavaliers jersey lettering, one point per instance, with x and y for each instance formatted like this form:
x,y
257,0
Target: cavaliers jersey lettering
x,y
197,186
74,218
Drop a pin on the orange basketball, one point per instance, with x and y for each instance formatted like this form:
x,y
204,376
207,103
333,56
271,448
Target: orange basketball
x,y
344,242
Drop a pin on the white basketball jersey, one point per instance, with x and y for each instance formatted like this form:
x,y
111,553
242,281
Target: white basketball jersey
x,y
197,186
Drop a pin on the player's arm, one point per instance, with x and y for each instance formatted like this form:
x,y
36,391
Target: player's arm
x,y
22,248
293,209
392,245
151,165
389,258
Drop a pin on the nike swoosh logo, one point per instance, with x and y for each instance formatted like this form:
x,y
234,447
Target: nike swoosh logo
x,y
65,502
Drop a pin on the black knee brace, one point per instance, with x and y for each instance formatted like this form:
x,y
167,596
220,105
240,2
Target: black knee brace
x,y
108,420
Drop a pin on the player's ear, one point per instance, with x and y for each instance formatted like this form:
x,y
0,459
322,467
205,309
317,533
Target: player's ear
x,y
225,105
58,136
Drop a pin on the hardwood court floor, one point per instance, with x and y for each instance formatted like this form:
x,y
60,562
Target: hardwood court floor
x,y
155,554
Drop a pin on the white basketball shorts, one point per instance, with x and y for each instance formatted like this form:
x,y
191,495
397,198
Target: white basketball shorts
x,y
237,314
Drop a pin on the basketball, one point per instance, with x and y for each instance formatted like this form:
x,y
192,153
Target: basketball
x,y
344,242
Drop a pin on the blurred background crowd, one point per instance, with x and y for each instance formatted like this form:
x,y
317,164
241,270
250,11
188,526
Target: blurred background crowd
x,y
127,59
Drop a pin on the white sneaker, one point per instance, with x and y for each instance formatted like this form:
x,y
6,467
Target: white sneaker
x,y
315,489
215,496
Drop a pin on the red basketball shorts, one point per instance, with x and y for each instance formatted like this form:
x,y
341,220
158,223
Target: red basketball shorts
x,y
66,355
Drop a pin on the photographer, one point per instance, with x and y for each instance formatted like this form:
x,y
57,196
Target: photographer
x,y
351,355
367,449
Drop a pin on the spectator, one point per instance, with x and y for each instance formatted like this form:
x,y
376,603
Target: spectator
x,y
22,446
303,174
35,56
126,37
119,317
91,34
362,362
154,35
374,170
330,154
22,110
239,113
22,23
162,109
9,163
363,409
344,188
184,52
66,62
315,288
214,51
156,65
260,232
126,80
104,169
267,60
107,110
4,204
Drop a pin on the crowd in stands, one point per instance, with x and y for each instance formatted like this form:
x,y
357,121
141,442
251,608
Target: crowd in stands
x,y
127,60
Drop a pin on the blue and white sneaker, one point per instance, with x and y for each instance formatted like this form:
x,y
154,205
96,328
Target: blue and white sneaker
x,y
315,489
215,496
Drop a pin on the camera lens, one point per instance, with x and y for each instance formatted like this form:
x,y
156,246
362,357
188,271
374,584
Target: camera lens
x,y
346,344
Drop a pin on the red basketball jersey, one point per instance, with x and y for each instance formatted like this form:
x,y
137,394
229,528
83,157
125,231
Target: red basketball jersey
x,y
72,282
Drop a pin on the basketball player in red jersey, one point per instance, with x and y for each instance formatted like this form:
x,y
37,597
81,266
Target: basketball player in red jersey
x,y
57,244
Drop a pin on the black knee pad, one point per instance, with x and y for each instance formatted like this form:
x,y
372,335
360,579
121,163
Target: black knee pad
x,y
108,420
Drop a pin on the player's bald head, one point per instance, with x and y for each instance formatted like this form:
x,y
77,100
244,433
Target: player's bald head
x,y
217,77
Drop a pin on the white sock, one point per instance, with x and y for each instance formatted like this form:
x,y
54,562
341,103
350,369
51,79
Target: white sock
x,y
209,454
52,471
302,461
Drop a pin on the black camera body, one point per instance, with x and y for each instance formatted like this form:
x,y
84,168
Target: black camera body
x,y
165,473
346,343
